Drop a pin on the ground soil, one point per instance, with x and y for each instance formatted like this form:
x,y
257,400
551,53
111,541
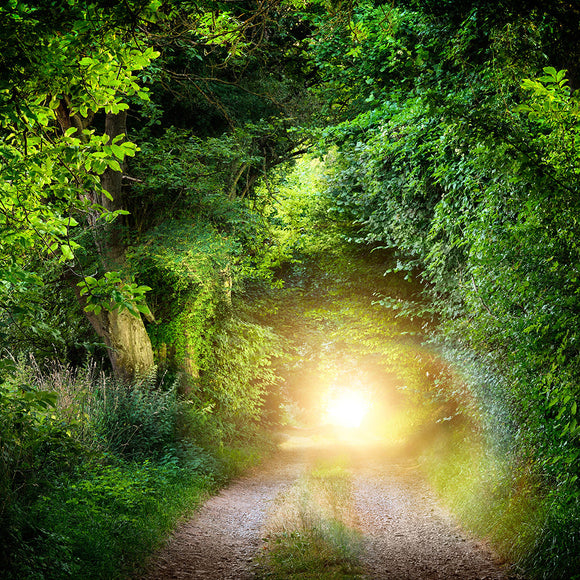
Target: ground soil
x,y
408,535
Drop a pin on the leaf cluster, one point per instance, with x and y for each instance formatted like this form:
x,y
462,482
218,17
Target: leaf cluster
x,y
469,174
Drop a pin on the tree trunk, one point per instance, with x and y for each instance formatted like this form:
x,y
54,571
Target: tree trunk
x,y
112,247
127,341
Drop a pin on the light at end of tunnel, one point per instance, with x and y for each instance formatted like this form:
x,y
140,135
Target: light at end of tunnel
x,y
347,409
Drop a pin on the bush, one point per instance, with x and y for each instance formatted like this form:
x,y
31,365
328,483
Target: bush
x,y
94,474
35,445
137,420
101,521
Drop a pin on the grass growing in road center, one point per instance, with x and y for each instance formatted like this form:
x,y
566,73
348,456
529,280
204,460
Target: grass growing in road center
x,y
311,530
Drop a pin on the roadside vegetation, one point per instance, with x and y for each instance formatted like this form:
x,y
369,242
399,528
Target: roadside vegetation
x,y
312,528
96,473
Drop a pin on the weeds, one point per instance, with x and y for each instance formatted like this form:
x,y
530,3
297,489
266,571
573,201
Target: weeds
x,y
528,522
312,529
94,474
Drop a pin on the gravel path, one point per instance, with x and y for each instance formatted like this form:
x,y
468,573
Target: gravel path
x,y
408,535
223,537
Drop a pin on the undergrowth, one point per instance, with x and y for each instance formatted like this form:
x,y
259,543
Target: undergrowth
x,y
311,532
94,474
502,498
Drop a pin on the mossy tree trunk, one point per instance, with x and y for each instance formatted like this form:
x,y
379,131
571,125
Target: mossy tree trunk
x,y
124,333
127,341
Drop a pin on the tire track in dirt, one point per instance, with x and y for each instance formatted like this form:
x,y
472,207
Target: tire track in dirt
x,y
408,535
220,542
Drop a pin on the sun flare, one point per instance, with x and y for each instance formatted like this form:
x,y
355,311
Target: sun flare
x,y
347,409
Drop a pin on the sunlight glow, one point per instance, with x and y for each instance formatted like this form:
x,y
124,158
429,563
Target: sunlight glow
x,y
347,409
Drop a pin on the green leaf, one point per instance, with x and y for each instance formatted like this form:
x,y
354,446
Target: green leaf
x,y
118,151
114,165
143,308
66,252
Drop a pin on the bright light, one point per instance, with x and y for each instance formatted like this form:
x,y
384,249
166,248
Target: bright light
x,y
347,409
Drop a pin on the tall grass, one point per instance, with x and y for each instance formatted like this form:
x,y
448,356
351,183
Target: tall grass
x,y
504,499
95,473
311,531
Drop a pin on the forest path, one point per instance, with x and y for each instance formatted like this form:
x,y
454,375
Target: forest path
x,y
407,534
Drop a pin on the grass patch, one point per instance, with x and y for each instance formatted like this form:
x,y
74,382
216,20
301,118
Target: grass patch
x,y
529,524
100,524
311,531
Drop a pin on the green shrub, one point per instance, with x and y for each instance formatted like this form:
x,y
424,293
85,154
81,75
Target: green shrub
x,y
556,553
94,474
238,373
137,420
103,520
36,444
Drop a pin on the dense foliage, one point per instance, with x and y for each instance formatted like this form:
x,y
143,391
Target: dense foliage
x,y
94,248
463,159
153,219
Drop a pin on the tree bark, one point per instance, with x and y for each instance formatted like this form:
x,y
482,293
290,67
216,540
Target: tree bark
x,y
124,334
127,342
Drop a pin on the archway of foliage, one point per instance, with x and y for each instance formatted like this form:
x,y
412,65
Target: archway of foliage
x,y
458,151
436,250
330,311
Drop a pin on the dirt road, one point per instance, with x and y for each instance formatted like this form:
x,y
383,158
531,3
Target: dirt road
x,y
408,535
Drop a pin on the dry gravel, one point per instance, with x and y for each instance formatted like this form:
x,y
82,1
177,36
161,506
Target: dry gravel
x,y
220,542
408,535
